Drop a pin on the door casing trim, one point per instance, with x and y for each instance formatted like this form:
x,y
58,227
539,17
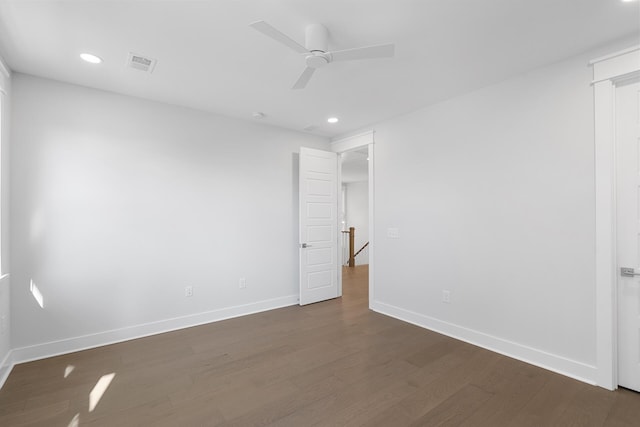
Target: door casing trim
x,y
608,72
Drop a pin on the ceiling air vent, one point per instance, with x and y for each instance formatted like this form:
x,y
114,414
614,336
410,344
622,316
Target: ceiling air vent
x,y
141,63
310,128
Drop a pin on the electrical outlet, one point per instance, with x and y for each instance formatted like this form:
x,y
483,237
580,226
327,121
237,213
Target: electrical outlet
x,y
242,283
446,297
188,291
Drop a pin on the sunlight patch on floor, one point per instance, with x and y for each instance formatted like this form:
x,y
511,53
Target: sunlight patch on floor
x,y
75,421
68,370
99,389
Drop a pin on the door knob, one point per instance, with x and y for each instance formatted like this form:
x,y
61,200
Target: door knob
x,y
304,245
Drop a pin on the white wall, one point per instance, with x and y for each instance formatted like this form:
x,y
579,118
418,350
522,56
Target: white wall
x,y
119,203
5,286
493,195
357,215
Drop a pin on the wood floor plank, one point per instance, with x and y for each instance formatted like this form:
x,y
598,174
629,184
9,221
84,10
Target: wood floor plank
x,y
455,409
393,416
446,384
513,385
157,413
333,363
625,410
37,416
588,408
287,405
370,405
549,403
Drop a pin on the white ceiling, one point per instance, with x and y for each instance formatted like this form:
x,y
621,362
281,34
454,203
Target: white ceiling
x,y
210,59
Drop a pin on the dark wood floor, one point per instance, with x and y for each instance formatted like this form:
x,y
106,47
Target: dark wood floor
x,y
333,363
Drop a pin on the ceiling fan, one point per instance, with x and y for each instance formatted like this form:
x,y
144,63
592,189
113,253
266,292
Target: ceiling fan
x,y
316,50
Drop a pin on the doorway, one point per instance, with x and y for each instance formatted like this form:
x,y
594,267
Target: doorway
x,y
354,222
363,142
320,204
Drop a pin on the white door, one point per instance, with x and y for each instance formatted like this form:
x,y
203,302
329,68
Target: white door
x,y
318,225
628,233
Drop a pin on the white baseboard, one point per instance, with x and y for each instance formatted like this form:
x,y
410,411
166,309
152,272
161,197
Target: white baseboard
x,y
5,367
70,345
561,365
570,368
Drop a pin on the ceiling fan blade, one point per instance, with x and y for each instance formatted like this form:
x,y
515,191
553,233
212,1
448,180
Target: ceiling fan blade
x,y
270,31
304,78
368,52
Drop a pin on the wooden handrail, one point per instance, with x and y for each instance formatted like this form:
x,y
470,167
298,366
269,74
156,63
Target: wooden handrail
x,y
361,249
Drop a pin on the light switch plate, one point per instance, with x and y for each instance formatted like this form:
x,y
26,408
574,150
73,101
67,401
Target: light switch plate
x,y
393,233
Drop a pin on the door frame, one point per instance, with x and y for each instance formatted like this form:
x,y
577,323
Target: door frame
x,y
342,145
608,72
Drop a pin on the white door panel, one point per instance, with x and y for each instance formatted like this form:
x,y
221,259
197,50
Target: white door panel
x,y
318,225
628,233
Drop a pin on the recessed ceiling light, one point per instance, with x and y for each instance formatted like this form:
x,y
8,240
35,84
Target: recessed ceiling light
x,y
332,120
628,1
90,58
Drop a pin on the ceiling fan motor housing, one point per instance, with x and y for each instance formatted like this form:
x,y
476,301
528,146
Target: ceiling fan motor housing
x,y
317,60
316,38
317,43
